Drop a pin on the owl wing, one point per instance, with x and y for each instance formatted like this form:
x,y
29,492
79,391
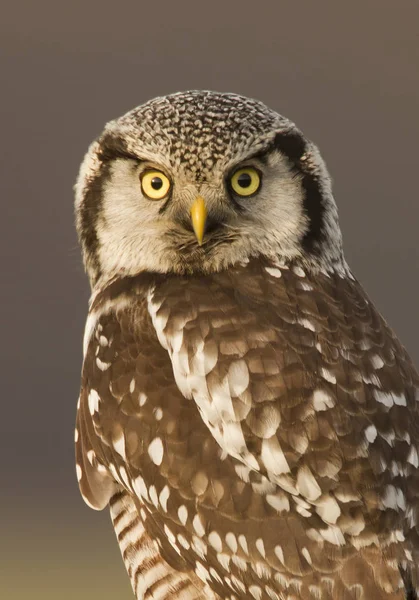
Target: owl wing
x,y
128,398
300,379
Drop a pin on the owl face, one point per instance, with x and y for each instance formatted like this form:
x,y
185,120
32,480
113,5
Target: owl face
x,y
196,182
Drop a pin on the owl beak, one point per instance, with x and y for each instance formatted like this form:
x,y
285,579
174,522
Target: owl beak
x,y
199,217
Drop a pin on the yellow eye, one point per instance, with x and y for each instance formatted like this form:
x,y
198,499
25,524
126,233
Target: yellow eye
x,y
245,182
155,184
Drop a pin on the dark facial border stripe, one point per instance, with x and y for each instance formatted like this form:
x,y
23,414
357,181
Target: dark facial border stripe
x,y
293,146
89,214
111,147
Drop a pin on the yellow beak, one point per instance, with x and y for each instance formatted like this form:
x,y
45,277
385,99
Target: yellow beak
x,y
199,217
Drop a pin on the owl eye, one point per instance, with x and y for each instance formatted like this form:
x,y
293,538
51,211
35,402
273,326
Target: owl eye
x,y
245,182
155,184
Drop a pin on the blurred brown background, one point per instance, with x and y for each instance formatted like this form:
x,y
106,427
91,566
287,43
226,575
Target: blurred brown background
x,y
347,73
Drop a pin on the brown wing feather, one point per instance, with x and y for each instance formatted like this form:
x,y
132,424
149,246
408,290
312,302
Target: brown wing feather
x,y
116,416
310,487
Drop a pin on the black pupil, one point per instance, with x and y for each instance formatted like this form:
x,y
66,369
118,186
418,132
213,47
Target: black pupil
x,y
157,183
244,180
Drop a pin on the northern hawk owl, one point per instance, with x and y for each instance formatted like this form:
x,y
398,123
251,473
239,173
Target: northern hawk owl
x,y
245,411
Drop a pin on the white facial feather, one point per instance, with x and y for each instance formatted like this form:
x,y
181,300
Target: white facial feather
x,y
133,236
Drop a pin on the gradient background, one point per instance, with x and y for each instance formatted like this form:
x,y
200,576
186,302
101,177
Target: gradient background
x,y
347,73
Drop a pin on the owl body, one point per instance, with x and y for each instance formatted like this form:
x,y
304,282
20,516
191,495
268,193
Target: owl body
x,y
245,411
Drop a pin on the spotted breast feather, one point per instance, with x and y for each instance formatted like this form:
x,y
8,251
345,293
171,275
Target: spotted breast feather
x,y
262,423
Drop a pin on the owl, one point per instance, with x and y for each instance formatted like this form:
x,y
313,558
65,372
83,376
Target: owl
x,y
246,413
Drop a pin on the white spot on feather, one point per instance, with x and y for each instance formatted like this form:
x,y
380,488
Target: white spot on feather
x,y
99,467
202,572
224,560
393,498
158,414
114,472
169,534
250,460
400,399
260,546
306,555
205,357
124,476
328,509
413,457
243,543
93,401
198,525
271,593
307,485
239,562
261,569
322,400
278,501
384,398
238,377
76,435
231,541
408,555
91,456
389,398
273,271
333,535
182,514
215,575
255,591
327,375
79,472
371,379
88,331
377,362
215,541
199,546
103,366
159,321
273,457
243,472
279,553
239,585
307,324
183,541
119,443
156,451
303,511
141,488
153,495
264,486
399,535
298,271
142,399
371,433
163,497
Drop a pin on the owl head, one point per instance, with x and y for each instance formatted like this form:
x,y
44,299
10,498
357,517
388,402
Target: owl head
x,y
198,181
